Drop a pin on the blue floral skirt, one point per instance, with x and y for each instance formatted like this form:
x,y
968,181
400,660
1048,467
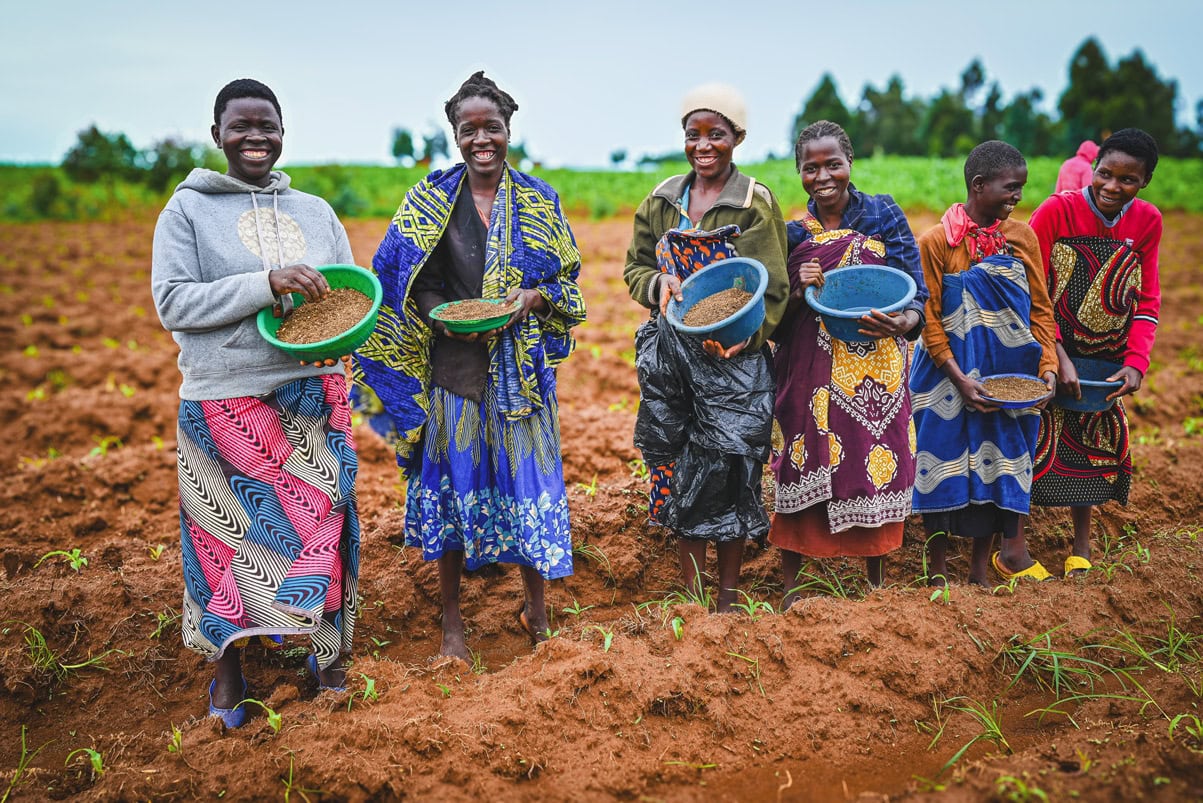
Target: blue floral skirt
x,y
490,487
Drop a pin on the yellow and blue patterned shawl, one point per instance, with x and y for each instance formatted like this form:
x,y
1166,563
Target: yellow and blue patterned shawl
x,y
529,245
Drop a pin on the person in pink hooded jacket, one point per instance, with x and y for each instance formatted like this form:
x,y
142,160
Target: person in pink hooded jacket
x,y
1078,170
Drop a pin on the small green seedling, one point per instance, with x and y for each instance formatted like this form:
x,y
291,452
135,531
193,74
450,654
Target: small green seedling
x,y
607,636
576,609
1194,729
23,763
156,552
103,444
678,626
274,719
94,757
590,489
176,743
291,785
446,690
754,608
369,691
75,558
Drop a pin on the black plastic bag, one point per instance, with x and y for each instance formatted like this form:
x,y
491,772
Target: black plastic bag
x,y
713,418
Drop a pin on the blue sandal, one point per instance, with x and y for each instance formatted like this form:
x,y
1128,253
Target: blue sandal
x,y
312,664
232,717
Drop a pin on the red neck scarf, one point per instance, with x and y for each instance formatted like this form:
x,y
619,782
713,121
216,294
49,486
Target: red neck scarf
x,y
983,241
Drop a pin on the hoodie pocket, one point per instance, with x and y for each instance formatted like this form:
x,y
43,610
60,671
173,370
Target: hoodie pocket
x,y
246,348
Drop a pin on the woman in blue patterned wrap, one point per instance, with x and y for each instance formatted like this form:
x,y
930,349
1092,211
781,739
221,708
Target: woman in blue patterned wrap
x,y
475,416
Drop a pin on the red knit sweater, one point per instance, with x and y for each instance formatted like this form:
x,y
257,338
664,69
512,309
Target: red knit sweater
x,y
1069,214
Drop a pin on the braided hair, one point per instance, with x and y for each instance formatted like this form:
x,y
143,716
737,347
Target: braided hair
x,y
1135,142
818,130
243,88
477,86
990,159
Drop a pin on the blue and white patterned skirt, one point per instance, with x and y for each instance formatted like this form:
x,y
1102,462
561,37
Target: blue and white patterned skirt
x,y
490,487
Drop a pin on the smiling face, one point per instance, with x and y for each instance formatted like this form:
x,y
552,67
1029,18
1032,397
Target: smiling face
x,y
826,171
482,136
996,198
1116,181
709,142
252,138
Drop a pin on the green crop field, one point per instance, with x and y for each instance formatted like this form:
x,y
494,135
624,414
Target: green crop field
x,y
35,193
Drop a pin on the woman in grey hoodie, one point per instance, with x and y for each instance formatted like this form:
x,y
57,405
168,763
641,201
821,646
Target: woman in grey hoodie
x,y
266,459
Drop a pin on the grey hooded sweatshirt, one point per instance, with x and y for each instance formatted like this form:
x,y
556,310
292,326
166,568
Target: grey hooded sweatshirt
x,y
215,242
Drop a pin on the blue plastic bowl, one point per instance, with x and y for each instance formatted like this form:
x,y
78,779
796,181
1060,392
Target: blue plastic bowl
x,y
1091,374
1016,404
850,293
742,272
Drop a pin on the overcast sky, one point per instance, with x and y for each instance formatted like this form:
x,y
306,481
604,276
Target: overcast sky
x,y
590,78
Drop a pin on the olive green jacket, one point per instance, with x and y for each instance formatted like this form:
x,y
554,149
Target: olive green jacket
x,y
745,202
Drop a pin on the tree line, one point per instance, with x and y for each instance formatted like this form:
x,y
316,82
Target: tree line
x,y
1099,98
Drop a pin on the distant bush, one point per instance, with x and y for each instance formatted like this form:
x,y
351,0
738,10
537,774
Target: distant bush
x,y
98,155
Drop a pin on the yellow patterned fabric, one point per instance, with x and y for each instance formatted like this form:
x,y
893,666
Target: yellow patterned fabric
x,y
529,245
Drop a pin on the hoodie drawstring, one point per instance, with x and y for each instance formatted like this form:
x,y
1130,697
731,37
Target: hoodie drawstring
x,y
286,299
259,230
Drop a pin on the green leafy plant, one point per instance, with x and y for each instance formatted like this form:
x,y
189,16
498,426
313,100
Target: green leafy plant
x,y
23,763
103,444
47,663
818,578
639,470
156,551
590,490
292,784
1056,670
753,670
678,626
754,608
74,558
607,636
446,690
595,554
176,743
94,758
274,719
987,718
478,662
165,619
368,693
576,609
378,644
1016,790
1194,731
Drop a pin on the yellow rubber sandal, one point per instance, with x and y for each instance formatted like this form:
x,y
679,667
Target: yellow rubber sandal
x,y
1033,572
1076,565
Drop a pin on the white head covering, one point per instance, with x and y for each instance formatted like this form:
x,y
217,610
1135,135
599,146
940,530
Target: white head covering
x,y
722,99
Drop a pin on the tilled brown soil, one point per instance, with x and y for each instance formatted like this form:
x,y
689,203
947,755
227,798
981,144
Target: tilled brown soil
x,y
637,696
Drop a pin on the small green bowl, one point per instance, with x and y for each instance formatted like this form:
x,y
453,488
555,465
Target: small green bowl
x,y
351,276
470,326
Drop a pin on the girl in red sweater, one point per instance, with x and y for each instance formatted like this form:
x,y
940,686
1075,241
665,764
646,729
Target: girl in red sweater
x,y
1099,248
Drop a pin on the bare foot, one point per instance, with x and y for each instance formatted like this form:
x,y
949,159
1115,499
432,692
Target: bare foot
x,y
534,622
453,641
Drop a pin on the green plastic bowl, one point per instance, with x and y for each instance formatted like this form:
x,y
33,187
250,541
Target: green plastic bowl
x,y
351,276
470,326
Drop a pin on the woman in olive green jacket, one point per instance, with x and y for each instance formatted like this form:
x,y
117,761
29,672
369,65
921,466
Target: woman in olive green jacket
x,y
705,417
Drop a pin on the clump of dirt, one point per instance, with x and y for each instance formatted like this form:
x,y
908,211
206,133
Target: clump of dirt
x,y
640,693
717,307
337,312
1014,388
